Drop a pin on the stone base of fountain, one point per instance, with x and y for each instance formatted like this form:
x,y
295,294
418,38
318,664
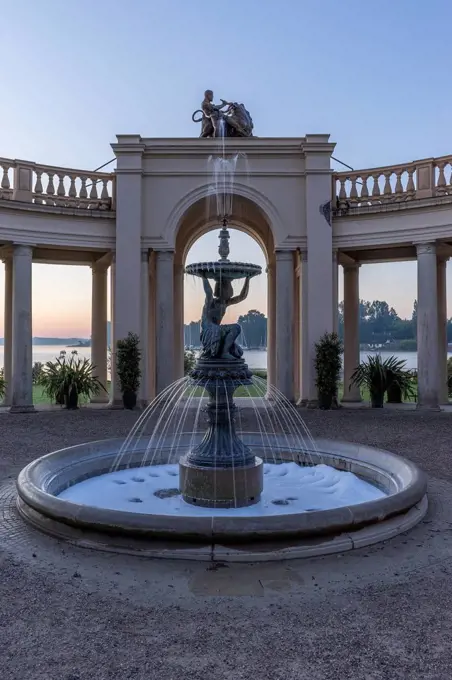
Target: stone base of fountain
x,y
216,487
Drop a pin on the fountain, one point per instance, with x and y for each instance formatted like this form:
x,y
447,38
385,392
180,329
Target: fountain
x,y
236,485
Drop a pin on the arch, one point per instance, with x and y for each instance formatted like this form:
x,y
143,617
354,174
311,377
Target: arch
x,y
202,196
194,216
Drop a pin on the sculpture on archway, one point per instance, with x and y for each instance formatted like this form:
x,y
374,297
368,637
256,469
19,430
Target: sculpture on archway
x,y
234,121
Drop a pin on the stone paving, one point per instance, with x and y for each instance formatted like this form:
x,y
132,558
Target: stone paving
x,y
377,614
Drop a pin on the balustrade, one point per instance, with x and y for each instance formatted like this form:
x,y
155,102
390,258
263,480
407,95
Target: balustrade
x,y
427,178
55,186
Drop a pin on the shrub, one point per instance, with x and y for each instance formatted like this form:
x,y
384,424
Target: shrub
x,y
66,379
328,365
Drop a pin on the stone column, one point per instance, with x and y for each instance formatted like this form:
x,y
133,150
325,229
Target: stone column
x,y
335,293
164,319
115,391
8,332
442,329
351,331
144,395
306,368
427,327
99,328
129,225
271,324
179,340
284,381
317,198
22,380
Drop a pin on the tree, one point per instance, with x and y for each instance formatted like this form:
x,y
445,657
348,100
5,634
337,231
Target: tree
x,y
254,329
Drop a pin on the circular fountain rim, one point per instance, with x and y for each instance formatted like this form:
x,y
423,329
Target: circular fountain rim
x,y
316,532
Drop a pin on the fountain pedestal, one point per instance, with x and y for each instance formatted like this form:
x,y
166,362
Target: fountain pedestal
x,y
221,471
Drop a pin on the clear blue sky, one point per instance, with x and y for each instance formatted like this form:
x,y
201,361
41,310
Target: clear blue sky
x,y
372,74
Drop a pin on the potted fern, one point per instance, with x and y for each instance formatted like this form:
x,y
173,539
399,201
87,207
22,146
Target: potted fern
x,y
65,380
128,366
381,376
328,353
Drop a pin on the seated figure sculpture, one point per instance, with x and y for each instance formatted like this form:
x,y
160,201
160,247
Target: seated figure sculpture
x,y
235,121
219,341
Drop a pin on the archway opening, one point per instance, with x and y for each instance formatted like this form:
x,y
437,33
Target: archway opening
x,y
251,314
251,240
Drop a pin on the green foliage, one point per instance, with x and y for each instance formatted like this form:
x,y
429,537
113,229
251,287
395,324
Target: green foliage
x,y
328,364
68,376
254,329
37,372
2,383
189,361
449,376
378,376
128,363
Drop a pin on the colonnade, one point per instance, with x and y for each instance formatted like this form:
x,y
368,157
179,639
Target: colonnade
x,y
296,322
431,327
18,358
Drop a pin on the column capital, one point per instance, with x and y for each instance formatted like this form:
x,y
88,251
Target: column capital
x,y
165,254
442,260
6,253
22,250
351,266
284,255
425,248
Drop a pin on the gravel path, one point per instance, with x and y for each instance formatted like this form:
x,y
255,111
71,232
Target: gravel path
x,y
380,613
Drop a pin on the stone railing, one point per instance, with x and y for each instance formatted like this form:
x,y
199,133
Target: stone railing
x,y
427,178
49,185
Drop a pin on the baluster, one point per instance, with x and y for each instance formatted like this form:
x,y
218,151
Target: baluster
x,y
387,191
342,191
376,187
105,195
5,179
38,187
72,189
93,192
50,191
83,192
410,188
399,185
61,191
353,190
449,186
364,189
441,183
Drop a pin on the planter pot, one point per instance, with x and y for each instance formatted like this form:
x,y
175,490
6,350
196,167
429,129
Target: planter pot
x,y
377,399
325,401
129,399
394,394
72,399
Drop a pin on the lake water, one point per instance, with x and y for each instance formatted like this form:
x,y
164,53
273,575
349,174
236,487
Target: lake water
x,y
255,358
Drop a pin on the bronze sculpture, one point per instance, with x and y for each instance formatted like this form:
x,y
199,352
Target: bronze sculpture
x,y
219,340
235,121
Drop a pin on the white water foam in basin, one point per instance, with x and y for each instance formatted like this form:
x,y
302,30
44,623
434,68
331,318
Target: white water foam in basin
x,y
288,488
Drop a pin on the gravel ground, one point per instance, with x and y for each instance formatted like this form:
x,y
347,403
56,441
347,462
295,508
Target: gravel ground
x,y
377,614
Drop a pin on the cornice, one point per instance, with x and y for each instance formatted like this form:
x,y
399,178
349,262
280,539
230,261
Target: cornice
x,y
18,206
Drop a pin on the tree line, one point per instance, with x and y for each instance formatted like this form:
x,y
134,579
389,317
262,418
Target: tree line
x,y
379,324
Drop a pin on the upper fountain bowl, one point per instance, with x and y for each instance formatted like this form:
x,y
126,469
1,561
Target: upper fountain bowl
x,y
223,269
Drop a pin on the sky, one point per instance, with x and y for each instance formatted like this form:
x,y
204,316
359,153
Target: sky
x,y
75,74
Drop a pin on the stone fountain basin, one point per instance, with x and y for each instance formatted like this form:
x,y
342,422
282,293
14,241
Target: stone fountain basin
x,y
404,505
224,269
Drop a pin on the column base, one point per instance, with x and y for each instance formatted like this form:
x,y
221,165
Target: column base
x,y
100,400
23,409
428,407
115,404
